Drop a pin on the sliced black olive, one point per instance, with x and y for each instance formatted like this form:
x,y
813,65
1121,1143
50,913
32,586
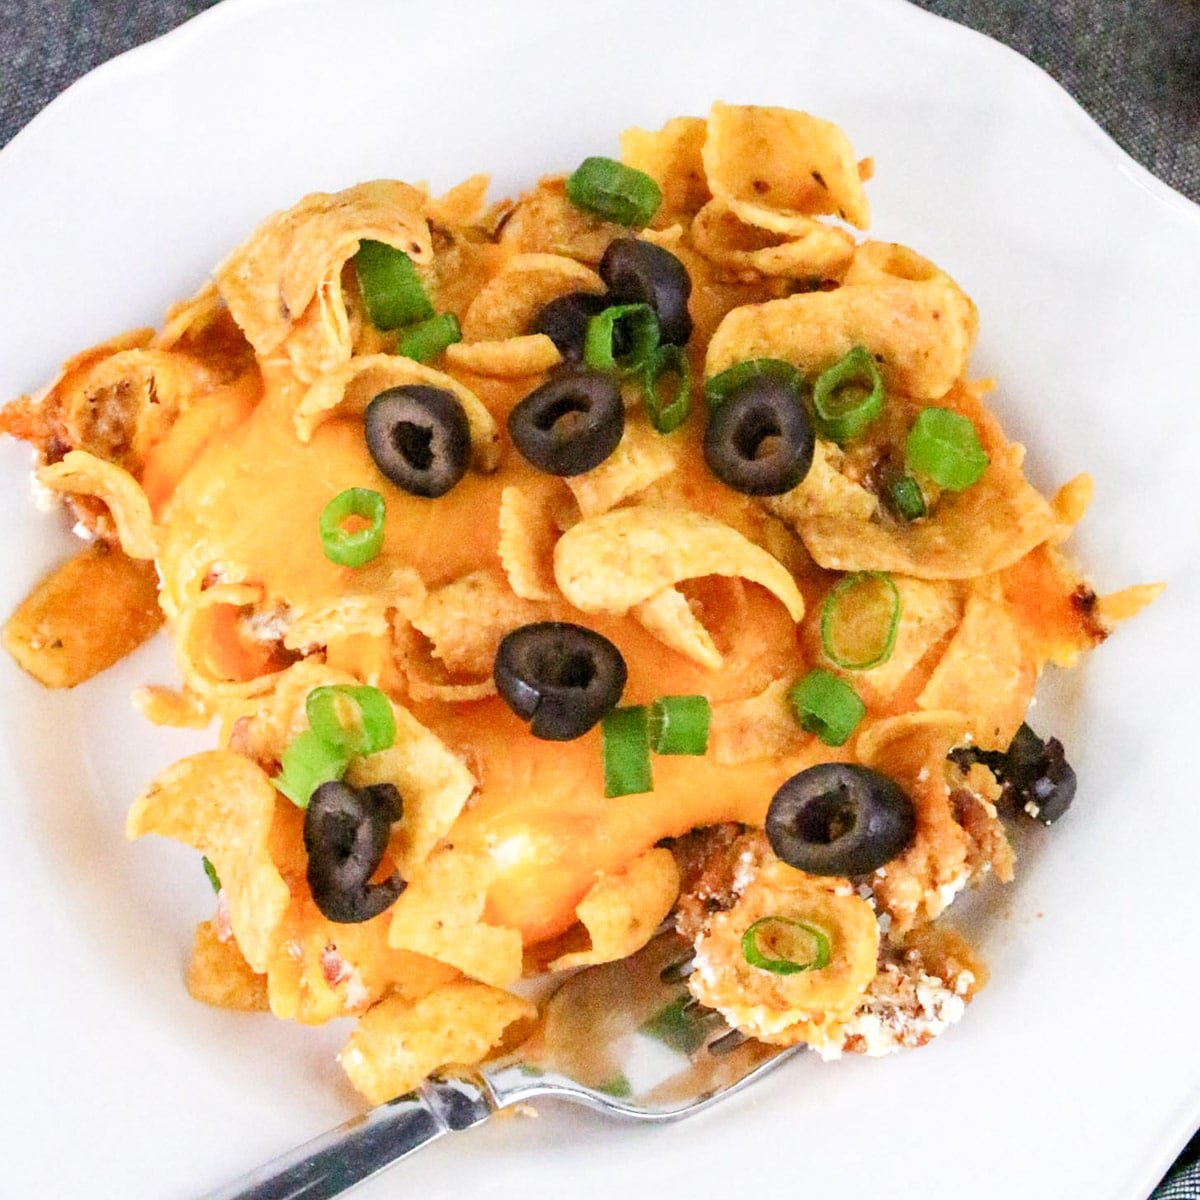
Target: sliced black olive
x,y
760,439
564,321
346,831
1035,776
570,424
561,678
419,438
639,272
839,819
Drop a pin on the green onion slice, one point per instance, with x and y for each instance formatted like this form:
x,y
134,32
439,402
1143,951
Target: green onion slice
x,y
848,396
352,548
667,415
308,762
392,292
906,498
618,1087
426,340
945,446
211,872
614,191
785,946
625,734
679,725
860,619
827,706
718,388
373,726
622,338
682,1026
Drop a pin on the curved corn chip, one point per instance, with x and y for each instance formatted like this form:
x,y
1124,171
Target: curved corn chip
x,y
527,538
218,973
506,306
322,337
398,1043
614,561
465,620
434,783
761,726
440,914
544,221
670,618
784,1009
180,709
823,492
982,529
808,247
213,654
348,390
221,804
427,678
83,474
622,911
986,671
785,160
505,358
89,613
190,317
270,280
671,156
121,405
913,317
463,204
642,457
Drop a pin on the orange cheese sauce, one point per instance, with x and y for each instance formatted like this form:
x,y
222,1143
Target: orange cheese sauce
x,y
247,504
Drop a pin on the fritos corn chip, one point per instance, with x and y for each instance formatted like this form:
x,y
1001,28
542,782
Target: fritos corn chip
x,y
398,1043
221,804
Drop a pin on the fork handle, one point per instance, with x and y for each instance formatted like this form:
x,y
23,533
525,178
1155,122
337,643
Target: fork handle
x,y
333,1163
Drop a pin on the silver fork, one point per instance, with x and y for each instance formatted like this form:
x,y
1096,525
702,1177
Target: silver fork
x,y
625,1038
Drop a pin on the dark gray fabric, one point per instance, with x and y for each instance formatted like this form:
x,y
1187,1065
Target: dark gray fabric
x,y
1133,64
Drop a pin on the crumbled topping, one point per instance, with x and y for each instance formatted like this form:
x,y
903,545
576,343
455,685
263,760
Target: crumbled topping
x,y
904,1006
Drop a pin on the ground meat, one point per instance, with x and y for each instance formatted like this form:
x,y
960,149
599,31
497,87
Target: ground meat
x,y
708,860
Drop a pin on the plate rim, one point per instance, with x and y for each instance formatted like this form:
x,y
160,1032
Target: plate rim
x,y
156,56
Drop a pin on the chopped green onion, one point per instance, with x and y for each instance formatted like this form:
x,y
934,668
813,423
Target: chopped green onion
x,y
679,725
719,387
622,338
827,706
945,446
356,548
667,416
625,735
426,340
211,872
392,292
308,762
618,1087
682,1026
376,722
848,396
906,497
792,953
614,191
860,620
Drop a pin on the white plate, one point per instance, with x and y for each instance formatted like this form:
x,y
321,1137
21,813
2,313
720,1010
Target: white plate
x,y
1077,1073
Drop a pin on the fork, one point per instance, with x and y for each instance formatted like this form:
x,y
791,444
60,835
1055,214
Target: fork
x,y
625,1038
